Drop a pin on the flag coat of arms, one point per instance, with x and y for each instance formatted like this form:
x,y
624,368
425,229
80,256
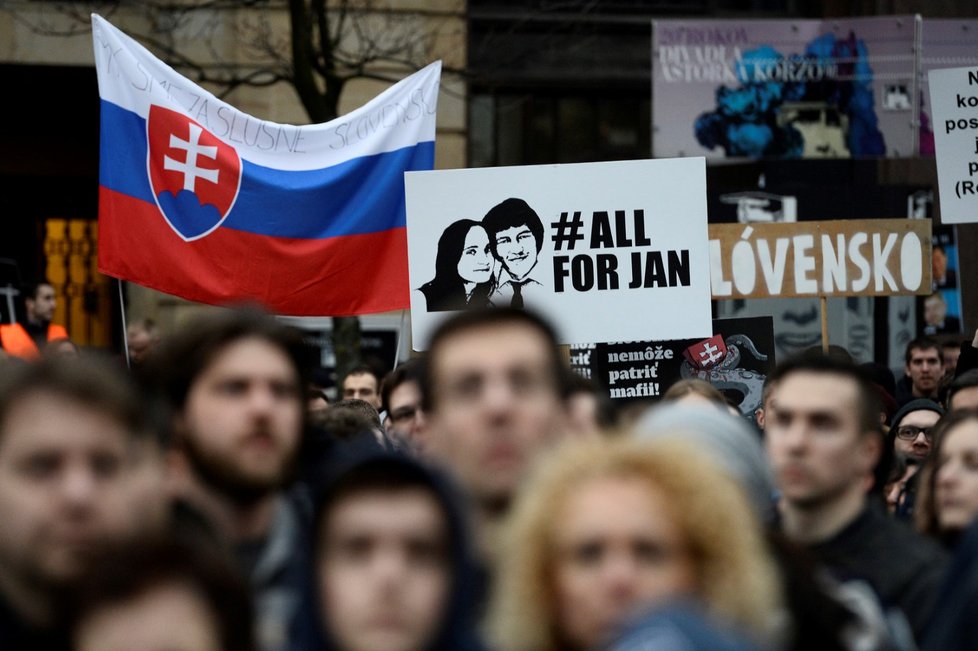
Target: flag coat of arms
x,y
203,201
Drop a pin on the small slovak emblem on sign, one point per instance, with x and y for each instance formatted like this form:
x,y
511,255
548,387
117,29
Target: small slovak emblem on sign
x,y
195,177
706,354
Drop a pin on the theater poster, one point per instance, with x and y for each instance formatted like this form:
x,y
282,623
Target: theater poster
x,y
784,88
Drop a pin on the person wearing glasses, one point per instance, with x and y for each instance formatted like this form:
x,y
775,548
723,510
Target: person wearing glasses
x,y
910,431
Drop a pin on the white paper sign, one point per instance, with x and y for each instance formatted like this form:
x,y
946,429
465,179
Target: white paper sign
x,y
607,252
954,106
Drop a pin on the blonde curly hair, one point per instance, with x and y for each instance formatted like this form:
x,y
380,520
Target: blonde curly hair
x,y
737,581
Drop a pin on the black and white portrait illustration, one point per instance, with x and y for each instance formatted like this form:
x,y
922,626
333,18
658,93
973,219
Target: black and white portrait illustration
x,y
463,269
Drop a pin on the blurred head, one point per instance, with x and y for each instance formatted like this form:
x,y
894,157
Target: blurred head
x,y
141,337
162,596
401,399
822,432
952,351
236,380
695,390
963,392
607,529
79,468
949,495
492,393
40,302
924,366
362,383
60,348
388,552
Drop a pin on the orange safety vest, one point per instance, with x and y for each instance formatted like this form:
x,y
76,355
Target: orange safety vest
x,y
17,342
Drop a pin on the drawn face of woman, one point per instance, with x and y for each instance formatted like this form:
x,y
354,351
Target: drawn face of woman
x,y
475,265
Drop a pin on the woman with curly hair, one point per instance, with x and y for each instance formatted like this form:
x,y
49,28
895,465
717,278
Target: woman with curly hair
x,y
606,530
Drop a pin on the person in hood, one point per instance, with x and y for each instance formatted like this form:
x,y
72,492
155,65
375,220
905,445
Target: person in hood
x,y
392,568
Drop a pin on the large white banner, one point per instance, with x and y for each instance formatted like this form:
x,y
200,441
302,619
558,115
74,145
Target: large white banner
x,y
608,252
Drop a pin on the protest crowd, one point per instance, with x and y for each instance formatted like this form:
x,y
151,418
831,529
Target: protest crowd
x,y
213,495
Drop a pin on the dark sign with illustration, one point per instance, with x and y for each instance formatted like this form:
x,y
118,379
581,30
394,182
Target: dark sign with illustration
x,y
603,250
735,360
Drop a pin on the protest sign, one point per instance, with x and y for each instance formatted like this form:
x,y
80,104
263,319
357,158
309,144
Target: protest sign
x,y
860,257
756,89
606,251
735,360
954,103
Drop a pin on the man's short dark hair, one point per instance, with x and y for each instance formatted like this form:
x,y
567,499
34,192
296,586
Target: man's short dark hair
x,y
867,399
966,380
95,383
923,343
363,369
184,356
30,289
488,318
124,574
509,214
409,371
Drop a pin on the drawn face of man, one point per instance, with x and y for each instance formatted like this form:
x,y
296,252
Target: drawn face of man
x,y
475,265
516,248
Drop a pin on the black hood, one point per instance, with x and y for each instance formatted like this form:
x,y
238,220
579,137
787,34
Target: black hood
x,y
458,632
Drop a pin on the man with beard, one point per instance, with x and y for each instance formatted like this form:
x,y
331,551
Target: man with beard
x,y
80,469
515,238
26,338
235,381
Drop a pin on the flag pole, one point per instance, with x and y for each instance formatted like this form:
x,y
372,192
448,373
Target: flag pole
x,y
125,328
400,333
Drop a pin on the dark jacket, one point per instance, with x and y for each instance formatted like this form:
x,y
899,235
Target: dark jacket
x,y
17,635
458,631
954,626
902,567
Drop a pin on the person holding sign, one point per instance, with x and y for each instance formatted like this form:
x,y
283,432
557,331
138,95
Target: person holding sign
x,y
516,237
463,269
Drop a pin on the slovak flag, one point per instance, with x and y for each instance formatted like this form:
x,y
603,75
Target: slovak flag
x,y
200,200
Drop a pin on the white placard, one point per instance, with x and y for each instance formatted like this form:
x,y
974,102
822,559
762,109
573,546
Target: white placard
x,y
607,252
954,106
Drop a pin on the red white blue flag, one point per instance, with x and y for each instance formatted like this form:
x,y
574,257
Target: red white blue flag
x,y
200,200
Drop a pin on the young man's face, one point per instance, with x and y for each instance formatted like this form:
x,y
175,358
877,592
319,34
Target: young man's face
x,y
146,622
517,249
383,569
496,406
813,439
41,307
362,386
241,423
66,488
405,416
925,370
